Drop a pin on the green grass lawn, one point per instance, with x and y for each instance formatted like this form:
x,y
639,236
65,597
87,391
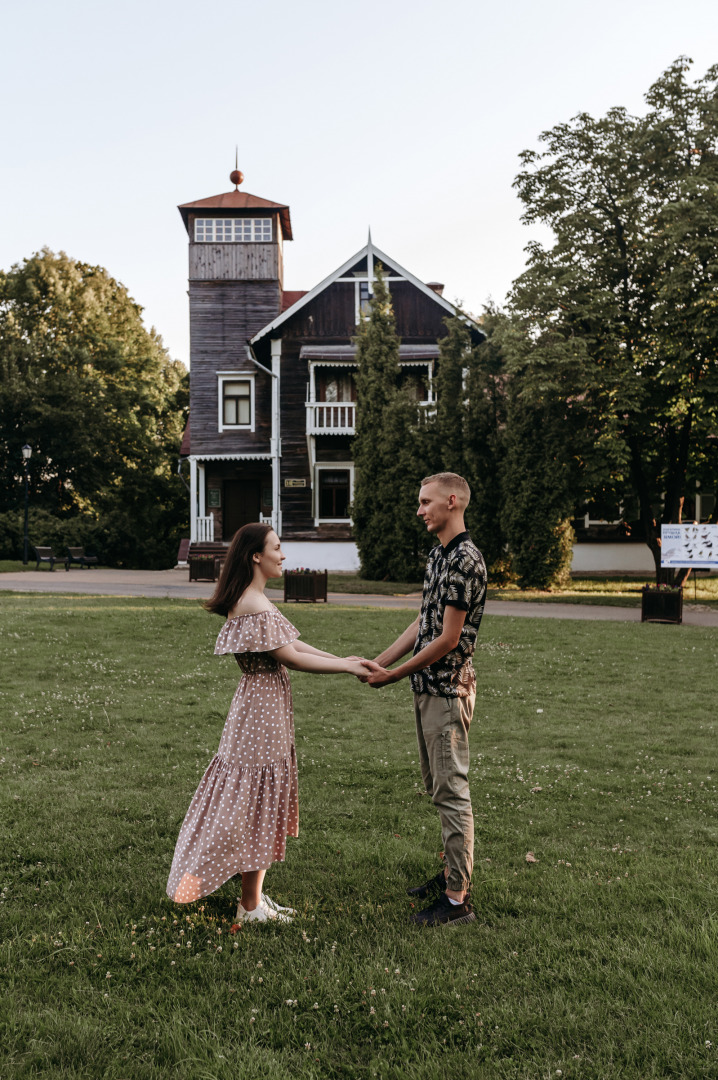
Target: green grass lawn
x,y
593,747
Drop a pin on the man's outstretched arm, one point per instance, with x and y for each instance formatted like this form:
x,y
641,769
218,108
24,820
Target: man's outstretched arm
x,y
403,644
448,639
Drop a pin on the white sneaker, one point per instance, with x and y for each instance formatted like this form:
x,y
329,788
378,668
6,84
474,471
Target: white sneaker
x,y
261,914
274,906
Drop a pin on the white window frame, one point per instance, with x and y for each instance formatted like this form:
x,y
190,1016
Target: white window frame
x,y
257,227
234,376
332,466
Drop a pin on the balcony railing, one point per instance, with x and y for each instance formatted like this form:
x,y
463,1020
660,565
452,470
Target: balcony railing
x,y
330,418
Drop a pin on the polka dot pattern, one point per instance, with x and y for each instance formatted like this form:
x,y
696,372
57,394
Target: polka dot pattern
x,y
247,801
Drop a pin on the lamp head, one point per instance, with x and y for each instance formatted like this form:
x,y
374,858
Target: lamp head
x,y
27,451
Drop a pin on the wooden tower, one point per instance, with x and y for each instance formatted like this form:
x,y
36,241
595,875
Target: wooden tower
x,y
235,289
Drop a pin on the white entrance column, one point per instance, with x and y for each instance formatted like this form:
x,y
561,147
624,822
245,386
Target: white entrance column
x,y
201,496
193,500
275,443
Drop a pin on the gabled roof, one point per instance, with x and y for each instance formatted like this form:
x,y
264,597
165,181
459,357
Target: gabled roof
x,y
372,254
238,200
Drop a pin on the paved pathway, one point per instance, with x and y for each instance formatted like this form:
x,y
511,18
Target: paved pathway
x,y
175,583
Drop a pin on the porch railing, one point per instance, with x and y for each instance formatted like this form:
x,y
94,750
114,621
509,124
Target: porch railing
x,y
331,418
205,530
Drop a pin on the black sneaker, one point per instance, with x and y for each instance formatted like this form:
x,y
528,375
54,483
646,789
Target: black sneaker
x,y
443,912
433,887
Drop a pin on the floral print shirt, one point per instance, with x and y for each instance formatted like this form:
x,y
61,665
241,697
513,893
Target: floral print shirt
x,y
455,575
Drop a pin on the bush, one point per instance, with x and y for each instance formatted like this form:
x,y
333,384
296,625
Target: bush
x,y
47,530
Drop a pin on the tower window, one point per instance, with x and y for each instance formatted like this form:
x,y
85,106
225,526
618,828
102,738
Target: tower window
x,y
236,402
233,230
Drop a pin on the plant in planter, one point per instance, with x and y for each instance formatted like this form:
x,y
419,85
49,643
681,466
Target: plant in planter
x,y
304,585
662,603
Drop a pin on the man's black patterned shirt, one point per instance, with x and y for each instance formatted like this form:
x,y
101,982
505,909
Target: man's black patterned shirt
x,y
455,575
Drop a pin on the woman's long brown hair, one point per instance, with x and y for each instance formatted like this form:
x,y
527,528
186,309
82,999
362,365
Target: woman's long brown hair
x,y
238,569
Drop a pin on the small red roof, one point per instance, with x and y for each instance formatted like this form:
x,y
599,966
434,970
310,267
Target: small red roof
x,y
238,200
290,297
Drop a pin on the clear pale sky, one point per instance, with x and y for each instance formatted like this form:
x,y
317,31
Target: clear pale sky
x,y
403,115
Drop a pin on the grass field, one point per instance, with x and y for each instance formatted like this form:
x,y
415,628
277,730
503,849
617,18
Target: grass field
x,y
593,747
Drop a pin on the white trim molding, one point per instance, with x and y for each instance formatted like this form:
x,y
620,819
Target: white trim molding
x,y
229,457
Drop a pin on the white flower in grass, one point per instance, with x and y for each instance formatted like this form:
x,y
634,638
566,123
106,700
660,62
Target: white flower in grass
x,y
307,1046
372,1011
315,1005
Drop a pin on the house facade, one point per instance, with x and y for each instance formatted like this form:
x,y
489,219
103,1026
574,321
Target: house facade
x,y
272,377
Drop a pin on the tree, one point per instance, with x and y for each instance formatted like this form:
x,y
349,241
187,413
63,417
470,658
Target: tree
x,y
99,400
618,319
390,448
468,431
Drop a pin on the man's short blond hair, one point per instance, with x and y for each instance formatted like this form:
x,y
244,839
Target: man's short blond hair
x,y
452,484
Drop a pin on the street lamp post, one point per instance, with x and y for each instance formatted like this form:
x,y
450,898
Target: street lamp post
x,y
26,454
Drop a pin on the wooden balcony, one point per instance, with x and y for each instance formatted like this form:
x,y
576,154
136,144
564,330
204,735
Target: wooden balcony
x,y
330,418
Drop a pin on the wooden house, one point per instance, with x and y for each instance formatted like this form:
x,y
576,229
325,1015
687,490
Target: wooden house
x,y
272,390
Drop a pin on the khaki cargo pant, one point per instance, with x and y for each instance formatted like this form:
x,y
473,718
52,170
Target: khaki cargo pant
x,y
442,730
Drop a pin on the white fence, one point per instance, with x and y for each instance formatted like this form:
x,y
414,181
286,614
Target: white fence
x,y
205,530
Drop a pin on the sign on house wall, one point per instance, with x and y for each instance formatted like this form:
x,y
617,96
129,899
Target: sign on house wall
x,y
689,545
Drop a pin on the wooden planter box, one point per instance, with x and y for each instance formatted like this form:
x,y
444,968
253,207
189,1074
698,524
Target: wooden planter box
x,y
306,588
204,569
662,605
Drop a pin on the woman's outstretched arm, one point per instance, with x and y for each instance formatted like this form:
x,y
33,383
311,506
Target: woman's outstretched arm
x,y
302,647
322,664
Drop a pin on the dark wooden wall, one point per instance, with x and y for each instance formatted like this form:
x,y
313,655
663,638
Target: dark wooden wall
x,y
223,316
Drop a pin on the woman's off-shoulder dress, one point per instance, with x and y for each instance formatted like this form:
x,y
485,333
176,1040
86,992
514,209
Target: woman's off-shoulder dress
x,y
246,804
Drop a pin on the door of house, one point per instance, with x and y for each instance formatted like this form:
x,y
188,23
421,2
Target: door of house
x,y
241,505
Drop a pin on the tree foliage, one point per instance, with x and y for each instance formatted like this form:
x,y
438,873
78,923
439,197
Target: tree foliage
x,y
100,402
616,323
390,452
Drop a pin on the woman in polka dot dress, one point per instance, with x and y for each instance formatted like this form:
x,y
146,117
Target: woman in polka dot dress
x,y
246,804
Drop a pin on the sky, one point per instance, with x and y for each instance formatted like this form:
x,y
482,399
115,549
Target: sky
x,y
406,116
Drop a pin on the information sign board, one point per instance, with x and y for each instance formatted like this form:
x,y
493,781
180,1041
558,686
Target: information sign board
x,y
689,545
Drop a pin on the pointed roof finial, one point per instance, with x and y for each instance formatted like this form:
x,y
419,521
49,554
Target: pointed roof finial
x,y
236,176
369,236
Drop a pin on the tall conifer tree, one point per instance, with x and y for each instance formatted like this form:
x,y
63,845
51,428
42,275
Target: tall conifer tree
x,y
389,452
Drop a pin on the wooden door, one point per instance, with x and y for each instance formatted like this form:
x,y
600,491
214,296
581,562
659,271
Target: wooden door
x,y
241,505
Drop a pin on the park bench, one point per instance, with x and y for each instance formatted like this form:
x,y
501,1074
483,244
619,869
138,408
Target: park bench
x,y
45,554
77,555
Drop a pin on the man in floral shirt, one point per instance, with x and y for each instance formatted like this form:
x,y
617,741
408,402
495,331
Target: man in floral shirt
x,y
443,638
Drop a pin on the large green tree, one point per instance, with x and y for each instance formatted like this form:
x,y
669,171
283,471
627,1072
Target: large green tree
x,y
618,317
390,452
100,402
468,432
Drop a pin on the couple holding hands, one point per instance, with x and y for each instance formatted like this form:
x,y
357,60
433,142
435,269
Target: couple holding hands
x,y
247,801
